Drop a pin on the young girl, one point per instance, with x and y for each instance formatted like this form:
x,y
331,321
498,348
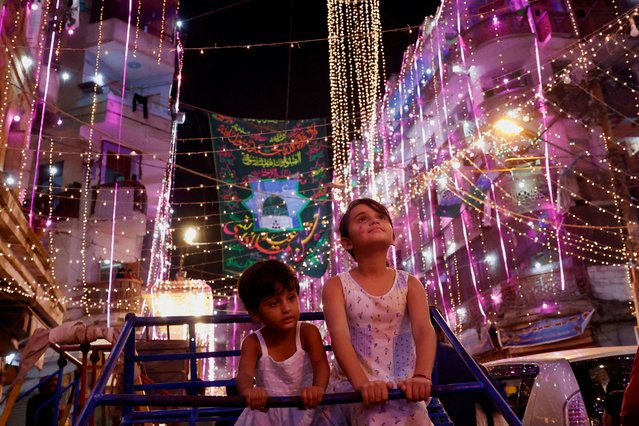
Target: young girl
x,y
284,357
379,325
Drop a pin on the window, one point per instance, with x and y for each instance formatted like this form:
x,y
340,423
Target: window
x,y
601,380
119,163
517,381
49,179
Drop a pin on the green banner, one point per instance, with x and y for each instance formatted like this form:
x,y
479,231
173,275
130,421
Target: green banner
x,y
274,193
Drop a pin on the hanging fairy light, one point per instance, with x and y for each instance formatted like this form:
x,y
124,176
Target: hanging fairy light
x,y
355,61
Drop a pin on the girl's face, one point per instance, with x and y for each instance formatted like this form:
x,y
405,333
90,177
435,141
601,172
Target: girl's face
x,y
367,226
279,311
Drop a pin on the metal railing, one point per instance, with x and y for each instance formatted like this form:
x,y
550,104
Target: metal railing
x,y
197,408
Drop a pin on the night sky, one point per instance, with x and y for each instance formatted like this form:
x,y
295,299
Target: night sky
x,y
254,83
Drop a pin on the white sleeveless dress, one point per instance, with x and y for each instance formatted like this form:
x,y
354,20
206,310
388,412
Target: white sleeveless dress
x,y
382,338
281,378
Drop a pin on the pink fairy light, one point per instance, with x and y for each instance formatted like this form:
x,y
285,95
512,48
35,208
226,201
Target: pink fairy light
x,y
44,103
163,214
462,45
431,221
402,149
4,11
544,118
108,306
115,190
456,182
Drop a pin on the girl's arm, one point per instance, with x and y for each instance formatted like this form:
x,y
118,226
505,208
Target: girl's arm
x,y
335,317
337,324
250,354
313,345
418,387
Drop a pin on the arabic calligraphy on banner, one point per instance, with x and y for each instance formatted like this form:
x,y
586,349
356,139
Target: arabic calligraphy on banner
x,y
275,197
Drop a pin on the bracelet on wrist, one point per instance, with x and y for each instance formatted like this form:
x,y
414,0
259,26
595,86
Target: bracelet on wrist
x,y
422,376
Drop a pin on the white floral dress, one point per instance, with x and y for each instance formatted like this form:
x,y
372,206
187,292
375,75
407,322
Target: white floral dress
x,y
382,338
281,378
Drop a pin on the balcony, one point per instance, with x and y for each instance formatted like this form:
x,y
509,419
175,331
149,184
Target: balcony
x,y
25,266
131,199
126,296
525,191
554,24
497,94
496,26
149,61
124,236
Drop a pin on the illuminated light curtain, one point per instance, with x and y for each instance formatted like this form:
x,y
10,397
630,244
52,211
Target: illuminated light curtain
x,y
159,263
355,61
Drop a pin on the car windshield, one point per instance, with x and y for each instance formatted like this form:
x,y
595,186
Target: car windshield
x,y
602,382
517,382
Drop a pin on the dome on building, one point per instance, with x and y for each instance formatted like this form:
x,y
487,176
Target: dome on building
x,y
274,206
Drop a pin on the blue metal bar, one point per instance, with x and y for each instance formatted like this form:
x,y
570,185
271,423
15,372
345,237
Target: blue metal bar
x,y
211,404
494,395
211,319
57,395
193,370
62,361
164,416
198,355
76,394
128,372
272,402
175,356
107,370
34,387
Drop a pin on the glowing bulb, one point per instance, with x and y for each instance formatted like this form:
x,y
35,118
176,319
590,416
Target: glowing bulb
x,y
99,79
189,235
17,118
179,24
10,180
508,127
65,76
34,6
27,61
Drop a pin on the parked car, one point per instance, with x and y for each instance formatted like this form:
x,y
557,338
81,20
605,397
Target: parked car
x,y
565,387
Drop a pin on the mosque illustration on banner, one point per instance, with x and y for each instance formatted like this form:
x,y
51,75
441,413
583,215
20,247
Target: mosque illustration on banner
x,y
276,204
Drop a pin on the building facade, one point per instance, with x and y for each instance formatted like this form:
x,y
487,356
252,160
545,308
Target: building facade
x,y
504,149
93,86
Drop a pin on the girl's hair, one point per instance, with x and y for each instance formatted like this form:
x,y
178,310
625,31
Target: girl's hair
x,y
345,220
264,279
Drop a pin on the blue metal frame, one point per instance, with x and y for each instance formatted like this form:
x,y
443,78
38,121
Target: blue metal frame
x,y
57,396
203,408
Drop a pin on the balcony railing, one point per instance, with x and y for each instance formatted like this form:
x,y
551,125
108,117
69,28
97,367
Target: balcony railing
x,y
126,296
554,23
131,197
497,25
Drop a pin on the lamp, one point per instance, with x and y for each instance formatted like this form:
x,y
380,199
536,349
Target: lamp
x,y
508,127
189,236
